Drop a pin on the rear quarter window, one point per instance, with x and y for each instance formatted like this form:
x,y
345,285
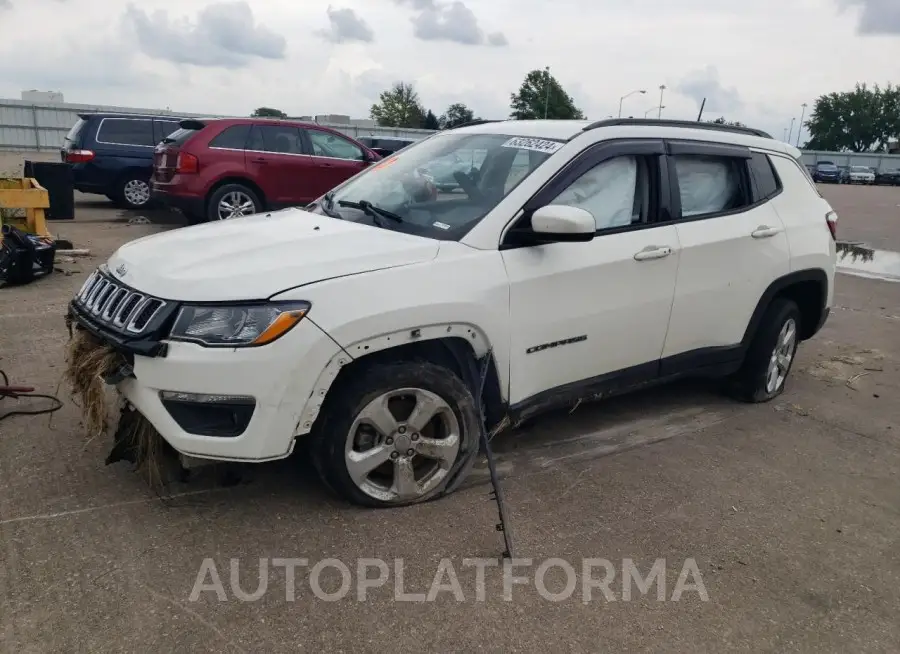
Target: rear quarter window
x,y
232,138
765,179
126,131
74,135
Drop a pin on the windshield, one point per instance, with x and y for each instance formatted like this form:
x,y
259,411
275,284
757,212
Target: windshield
x,y
442,186
860,169
827,166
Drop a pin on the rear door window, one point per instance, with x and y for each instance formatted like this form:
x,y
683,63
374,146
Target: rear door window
x,y
126,131
280,139
710,185
232,138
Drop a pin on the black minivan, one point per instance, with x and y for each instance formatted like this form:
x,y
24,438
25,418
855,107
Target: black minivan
x,y
112,154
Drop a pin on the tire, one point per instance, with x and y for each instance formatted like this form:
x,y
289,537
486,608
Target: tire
x,y
753,383
346,431
243,199
133,191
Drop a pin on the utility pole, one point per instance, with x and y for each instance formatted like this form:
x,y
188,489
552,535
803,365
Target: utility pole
x,y
662,89
791,130
800,129
547,93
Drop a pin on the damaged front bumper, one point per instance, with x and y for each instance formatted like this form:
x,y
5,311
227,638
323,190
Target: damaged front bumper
x,y
235,404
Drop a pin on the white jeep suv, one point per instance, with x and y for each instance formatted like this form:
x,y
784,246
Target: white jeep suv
x,y
381,322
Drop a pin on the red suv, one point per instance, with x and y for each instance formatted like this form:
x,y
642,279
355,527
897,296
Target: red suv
x,y
228,167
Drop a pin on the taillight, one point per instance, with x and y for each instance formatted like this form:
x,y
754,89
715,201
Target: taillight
x,y
187,164
79,156
831,218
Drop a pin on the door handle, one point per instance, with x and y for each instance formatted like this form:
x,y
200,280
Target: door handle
x,y
764,231
260,160
653,252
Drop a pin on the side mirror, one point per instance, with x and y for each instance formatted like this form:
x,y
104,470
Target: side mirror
x,y
561,222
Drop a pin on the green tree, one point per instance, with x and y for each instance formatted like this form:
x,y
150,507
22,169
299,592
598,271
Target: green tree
x,y
268,112
399,106
542,96
430,121
456,114
861,120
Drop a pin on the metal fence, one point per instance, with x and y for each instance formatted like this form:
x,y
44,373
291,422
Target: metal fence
x,y
878,161
26,126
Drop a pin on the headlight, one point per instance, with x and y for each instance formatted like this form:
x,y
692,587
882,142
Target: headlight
x,y
237,325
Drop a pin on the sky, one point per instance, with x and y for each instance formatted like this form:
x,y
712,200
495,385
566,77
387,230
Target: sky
x,y
755,61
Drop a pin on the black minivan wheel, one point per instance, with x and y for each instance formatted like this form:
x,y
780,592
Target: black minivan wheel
x,y
133,191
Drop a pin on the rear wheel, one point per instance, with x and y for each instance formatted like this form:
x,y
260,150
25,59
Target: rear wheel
x,y
397,434
771,355
133,191
232,201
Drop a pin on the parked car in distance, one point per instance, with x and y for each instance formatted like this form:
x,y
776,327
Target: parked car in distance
x,y
861,175
826,171
384,146
112,154
387,329
889,177
220,168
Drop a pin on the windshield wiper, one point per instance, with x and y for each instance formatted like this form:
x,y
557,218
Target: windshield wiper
x,y
327,206
371,210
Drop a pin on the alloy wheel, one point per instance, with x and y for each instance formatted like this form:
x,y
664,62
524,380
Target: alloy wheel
x,y
402,445
234,205
782,355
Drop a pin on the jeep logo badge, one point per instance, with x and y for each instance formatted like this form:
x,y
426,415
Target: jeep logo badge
x,y
121,269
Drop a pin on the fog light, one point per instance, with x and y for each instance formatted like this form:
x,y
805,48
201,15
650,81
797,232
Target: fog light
x,y
223,416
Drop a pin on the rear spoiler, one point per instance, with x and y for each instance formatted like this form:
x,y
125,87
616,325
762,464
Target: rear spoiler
x,y
191,123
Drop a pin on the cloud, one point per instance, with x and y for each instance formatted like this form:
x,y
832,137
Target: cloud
x,y
5,4
876,16
450,21
705,83
346,26
225,35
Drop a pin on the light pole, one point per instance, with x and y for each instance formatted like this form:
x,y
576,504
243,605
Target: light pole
x,y
662,89
628,95
660,108
784,137
800,129
791,130
547,93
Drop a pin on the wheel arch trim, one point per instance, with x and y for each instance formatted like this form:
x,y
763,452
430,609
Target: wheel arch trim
x,y
472,334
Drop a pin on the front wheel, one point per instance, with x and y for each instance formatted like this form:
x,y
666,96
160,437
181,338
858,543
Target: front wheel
x,y
397,434
771,355
232,201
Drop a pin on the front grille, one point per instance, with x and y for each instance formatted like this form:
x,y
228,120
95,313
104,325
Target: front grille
x,y
116,306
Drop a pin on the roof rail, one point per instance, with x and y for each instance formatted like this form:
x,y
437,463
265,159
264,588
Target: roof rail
x,y
691,124
478,121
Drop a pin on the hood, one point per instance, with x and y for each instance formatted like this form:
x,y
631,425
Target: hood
x,y
255,257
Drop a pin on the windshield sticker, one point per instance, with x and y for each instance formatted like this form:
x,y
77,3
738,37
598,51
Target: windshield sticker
x,y
538,145
441,225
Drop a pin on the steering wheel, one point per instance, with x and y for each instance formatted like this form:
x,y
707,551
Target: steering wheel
x,y
468,185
